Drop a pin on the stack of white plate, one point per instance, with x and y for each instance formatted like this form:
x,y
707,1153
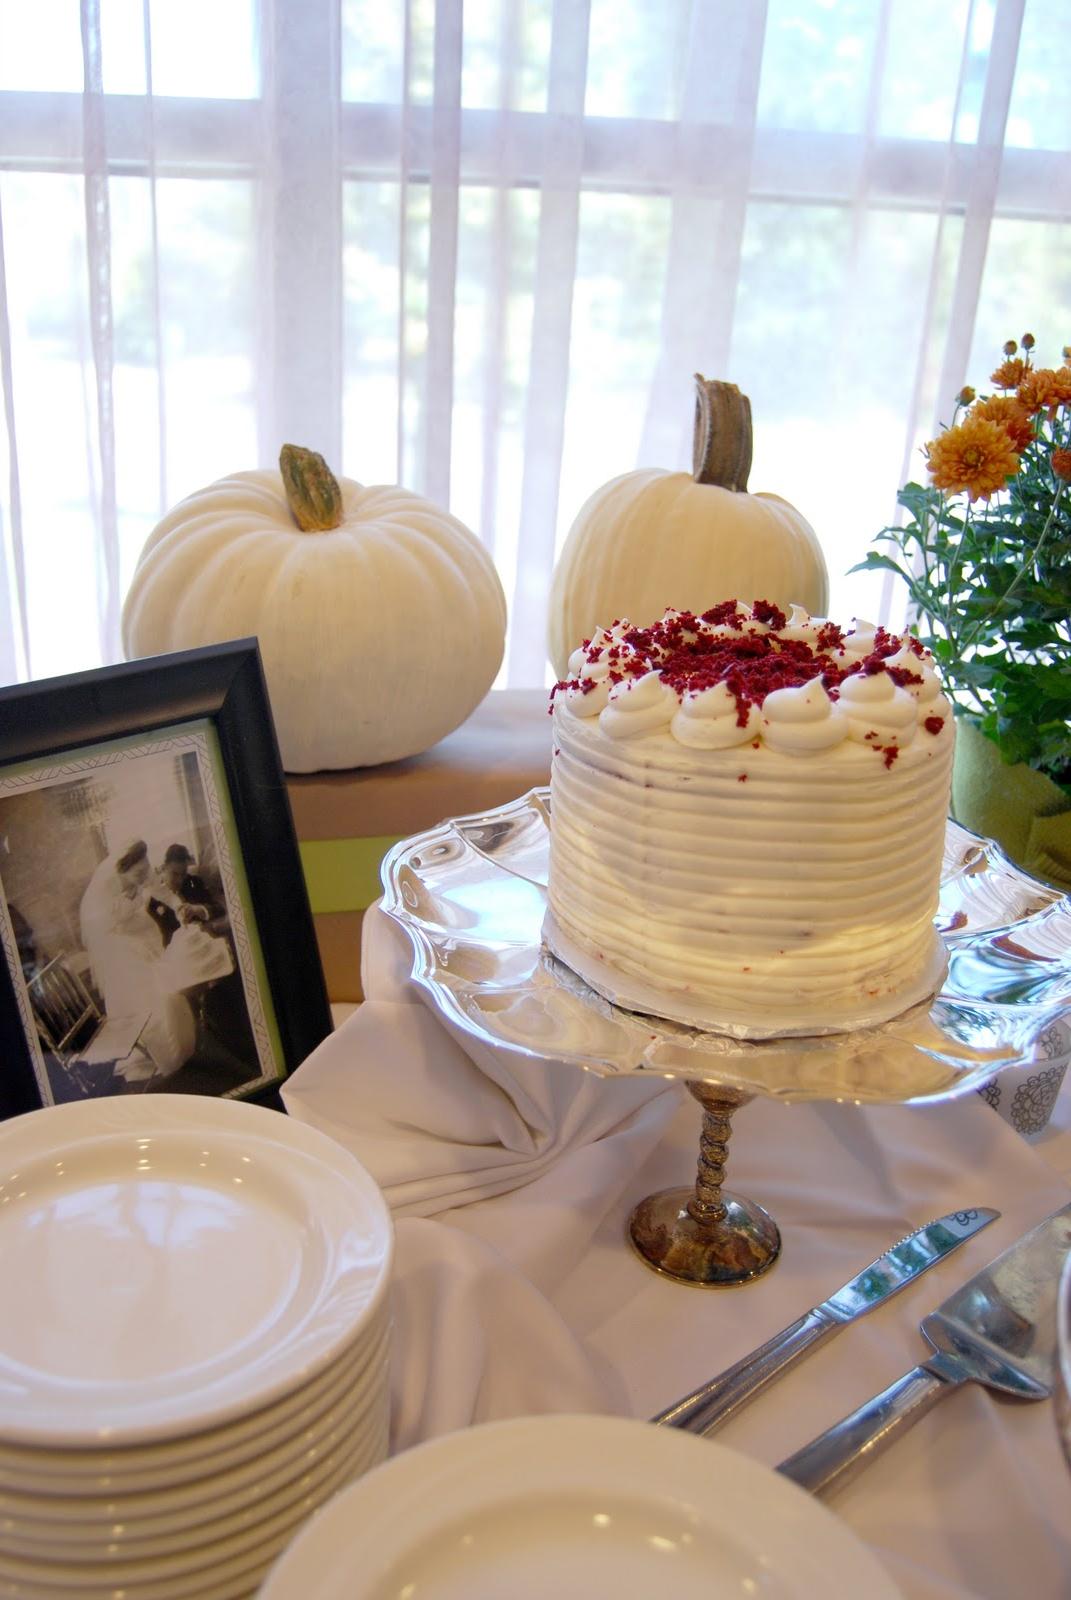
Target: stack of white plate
x,y
193,1345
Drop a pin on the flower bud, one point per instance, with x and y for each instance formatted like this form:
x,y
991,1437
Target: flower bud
x,y
1028,341
966,395
1010,347
1061,463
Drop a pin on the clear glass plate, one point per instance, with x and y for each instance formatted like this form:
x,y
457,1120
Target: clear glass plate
x,y
471,895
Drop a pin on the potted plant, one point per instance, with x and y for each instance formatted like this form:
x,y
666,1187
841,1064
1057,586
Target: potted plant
x,y
985,553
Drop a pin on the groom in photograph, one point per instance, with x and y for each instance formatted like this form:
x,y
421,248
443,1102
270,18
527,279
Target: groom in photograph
x,y
188,897
180,897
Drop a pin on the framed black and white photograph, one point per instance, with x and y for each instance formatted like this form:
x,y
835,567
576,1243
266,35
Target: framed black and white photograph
x,y
154,918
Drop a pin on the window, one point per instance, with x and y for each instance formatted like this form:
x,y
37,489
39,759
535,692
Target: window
x,y
482,249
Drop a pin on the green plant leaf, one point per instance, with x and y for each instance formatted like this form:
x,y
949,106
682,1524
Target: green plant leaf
x,y
874,563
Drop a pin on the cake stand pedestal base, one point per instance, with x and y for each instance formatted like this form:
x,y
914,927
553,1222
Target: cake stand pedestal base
x,y
703,1235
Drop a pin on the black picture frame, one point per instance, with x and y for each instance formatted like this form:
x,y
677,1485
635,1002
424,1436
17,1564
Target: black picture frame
x,y
65,744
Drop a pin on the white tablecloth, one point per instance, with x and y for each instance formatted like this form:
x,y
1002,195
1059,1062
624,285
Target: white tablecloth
x,y
516,1292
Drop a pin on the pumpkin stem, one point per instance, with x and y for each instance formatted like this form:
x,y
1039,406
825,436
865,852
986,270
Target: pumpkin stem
x,y
312,490
721,449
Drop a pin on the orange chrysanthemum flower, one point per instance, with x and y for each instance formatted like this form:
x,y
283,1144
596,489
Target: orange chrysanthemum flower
x,y
1008,411
1045,389
1010,374
977,456
1061,463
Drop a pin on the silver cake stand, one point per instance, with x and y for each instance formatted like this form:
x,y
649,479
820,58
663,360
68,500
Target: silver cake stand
x,y
471,895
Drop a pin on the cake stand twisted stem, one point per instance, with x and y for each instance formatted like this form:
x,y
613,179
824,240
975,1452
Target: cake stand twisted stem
x,y
704,1235
706,1204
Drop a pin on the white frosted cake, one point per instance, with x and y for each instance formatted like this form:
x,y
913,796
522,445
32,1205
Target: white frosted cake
x,y
747,820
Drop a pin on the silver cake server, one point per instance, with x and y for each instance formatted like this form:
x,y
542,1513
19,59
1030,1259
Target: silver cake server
x,y
998,1329
715,1402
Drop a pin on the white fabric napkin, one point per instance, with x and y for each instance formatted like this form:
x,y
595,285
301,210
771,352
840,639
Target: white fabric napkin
x,y
442,1121
441,1125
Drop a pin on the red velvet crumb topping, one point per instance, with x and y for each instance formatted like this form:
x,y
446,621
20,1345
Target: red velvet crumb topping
x,y
752,665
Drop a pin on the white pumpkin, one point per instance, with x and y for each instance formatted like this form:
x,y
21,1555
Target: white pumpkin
x,y
380,617
651,539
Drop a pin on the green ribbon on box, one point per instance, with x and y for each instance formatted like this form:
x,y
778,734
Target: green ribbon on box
x,y
343,874
1024,811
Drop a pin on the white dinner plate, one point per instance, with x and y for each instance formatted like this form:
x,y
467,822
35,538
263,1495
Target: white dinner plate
x,y
213,1493
175,1261
27,1470
137,1579
309,1485
578,1508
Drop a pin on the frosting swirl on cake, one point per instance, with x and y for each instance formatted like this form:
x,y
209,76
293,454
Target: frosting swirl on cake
x,y
737,674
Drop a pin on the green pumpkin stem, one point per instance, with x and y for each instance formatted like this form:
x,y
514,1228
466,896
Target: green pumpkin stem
x,y
721,449
312,490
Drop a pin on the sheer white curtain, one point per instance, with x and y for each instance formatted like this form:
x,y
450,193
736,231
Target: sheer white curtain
x,y
481,246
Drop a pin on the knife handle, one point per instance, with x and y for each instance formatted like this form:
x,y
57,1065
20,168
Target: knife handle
x,y
843,1450
708,1407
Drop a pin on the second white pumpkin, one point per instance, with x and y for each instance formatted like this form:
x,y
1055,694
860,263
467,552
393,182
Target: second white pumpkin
x,y
651,538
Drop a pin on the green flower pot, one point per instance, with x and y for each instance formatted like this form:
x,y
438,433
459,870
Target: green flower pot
x,y
1027,814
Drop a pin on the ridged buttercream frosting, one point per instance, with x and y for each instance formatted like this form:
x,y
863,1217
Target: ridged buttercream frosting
x,y
747,819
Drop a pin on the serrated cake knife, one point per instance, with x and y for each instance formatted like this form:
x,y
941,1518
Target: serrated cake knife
x,y
706,1408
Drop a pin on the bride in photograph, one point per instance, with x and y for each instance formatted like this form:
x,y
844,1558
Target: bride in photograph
x,y
125,952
